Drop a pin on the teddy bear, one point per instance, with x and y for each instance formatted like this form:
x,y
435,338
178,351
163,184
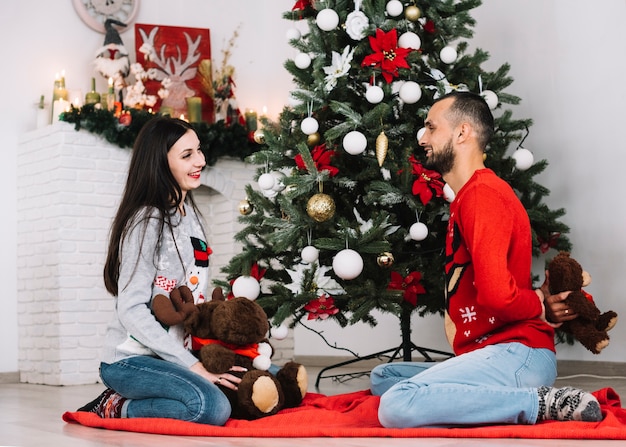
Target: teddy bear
x,y
231,332
590,327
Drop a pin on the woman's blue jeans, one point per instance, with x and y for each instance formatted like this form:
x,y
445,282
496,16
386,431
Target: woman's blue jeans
x,y
157,388
492,385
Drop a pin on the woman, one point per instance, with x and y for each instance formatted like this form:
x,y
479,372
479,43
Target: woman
x,y
156,240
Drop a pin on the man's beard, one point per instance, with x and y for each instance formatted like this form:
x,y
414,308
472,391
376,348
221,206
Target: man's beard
x,y
443,161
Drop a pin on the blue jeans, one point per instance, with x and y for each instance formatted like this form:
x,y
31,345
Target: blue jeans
x,y
157,388
492,385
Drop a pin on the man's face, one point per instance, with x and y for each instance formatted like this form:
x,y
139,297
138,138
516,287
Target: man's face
x,y
437,139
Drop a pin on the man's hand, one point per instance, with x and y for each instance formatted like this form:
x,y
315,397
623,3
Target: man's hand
x,y
555,311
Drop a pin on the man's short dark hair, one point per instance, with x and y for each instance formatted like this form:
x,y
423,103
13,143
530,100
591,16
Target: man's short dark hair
x,y
468,106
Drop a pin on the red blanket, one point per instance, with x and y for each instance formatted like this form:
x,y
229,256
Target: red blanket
x,y
355,415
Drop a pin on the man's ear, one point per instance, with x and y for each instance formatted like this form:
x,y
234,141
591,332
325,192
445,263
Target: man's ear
x,y
465,130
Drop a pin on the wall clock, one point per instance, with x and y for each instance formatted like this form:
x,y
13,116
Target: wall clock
x,y
95,12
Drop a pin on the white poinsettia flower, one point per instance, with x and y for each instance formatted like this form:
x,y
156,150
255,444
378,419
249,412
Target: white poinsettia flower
x,y
442,82
324,284
356,25
339,67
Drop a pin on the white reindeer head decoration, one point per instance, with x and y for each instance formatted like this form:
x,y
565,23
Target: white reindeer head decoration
x,y
174,69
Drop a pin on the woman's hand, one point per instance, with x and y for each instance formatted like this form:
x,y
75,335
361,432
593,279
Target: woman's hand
x,y
225,379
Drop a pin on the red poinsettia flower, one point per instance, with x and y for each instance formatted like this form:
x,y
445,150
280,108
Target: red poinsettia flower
x,y
429,26
321,308
427,184
321,157
256,272
411,286
545,245
301,4
387,55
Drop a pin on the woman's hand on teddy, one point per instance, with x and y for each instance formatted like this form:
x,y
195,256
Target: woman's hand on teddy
x,y
225,379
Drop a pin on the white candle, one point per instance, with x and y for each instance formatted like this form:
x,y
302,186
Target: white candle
x,y
59,106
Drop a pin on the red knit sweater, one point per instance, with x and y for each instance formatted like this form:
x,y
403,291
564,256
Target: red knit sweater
x,y
488,268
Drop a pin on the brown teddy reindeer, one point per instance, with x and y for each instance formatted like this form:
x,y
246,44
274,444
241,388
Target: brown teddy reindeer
x,y
590,327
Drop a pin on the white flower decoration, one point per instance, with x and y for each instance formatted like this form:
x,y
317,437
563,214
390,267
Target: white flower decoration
x,y
356,25
339,67
325,284
443,83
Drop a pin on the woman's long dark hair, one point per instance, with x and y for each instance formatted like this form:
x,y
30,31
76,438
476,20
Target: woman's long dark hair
x,y
150,184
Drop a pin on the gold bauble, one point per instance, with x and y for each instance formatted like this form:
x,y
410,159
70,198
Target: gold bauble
x,y
245,207
259,136
320,207
412,13
385,259
313,139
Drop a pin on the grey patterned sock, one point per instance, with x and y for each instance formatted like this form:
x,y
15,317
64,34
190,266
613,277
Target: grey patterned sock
x,y
567,404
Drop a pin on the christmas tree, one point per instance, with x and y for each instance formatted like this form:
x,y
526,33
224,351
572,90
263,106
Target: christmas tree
x,y
344,219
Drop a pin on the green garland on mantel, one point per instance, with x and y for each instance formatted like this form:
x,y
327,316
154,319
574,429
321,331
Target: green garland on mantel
x,y
217,140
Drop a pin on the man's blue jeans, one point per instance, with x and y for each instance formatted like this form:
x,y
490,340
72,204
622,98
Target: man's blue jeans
x,y
157,388
492,385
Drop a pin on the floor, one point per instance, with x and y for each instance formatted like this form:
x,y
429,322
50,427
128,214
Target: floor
x,y
30,415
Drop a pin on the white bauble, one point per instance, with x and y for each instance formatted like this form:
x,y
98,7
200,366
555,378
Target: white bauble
x,y
410,92
293,33
374,94
302,60
279,332
327,19
418,231
310,254
347,264
523,159
266,181
410,40
448,193
309,125
447,55
490,98
420,134
394,8
246,286
354,142
279,181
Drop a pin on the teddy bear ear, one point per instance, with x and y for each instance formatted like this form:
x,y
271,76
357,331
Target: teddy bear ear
x,y
218,294
586,278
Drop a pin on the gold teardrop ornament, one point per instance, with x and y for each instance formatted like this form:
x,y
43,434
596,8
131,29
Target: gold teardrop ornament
x,y
382,144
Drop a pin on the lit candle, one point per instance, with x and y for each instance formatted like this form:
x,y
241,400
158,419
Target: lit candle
x,y
111,96
194,109
76,96
59,106
251,120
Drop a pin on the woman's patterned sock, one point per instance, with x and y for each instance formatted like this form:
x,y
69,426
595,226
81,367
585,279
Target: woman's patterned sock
x,y
106,405
567,404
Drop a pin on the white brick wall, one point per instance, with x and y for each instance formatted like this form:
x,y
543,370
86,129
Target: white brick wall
x,y
69,184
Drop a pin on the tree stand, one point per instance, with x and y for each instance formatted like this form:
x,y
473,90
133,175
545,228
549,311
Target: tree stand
x,y
406,348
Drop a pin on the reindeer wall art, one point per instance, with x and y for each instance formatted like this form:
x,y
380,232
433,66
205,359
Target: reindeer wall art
x,y
172,55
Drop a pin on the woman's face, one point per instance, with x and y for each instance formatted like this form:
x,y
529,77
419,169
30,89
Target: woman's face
x,y
186,161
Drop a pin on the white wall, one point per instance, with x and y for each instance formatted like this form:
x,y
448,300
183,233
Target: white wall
x,y
567,65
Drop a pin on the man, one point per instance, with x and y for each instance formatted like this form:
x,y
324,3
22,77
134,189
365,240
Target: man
x,y
505,361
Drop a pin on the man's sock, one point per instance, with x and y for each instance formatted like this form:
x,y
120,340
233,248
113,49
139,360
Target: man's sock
x,y
567,404
106,405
